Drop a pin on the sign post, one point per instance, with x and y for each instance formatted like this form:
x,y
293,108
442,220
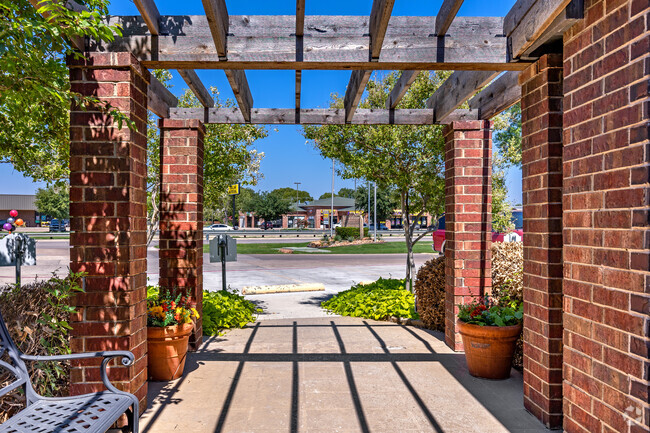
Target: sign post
x,y
233,190
223,248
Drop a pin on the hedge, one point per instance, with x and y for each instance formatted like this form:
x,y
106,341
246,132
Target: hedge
x,y
351,232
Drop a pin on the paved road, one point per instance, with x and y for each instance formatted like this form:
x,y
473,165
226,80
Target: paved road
x,y
336,272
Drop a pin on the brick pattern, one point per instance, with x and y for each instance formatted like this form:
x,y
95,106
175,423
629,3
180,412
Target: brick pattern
x,y
541,114
181,212
606,165
468,210
108,220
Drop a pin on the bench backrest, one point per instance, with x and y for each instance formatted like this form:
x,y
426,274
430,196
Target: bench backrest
x,y
14,364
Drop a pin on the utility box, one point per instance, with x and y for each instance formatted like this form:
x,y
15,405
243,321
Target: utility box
x,y
221,242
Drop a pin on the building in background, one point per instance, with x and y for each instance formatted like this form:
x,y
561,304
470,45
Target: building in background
x,y
24,204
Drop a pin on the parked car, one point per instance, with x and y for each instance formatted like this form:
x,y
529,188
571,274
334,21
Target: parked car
x,y
266,225
219,227
514,236
380,226
57,225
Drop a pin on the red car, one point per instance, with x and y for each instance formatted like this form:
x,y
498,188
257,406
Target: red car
x,y
515,236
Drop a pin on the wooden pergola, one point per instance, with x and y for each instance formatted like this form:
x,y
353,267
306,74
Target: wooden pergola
x,y
579,68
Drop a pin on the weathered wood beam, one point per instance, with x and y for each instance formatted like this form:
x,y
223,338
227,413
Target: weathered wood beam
x,y
447,13
379,18
324,116
457,89
332,42
239,84
551,39
356,86
159,98
197,87
501,94
298,88
217,16
401,87
300,17
528,20
150,14
300,31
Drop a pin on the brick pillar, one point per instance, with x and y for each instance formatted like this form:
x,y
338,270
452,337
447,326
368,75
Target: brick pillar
x,y
108,220
181,212
468,209
606,165
541,133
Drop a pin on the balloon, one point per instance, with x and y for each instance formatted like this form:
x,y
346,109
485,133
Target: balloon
x,y
10,220
13,213
7,227
19,222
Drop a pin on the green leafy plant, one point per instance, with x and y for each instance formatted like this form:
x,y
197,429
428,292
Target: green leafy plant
x,y
350,232
224,310
378,301
488,312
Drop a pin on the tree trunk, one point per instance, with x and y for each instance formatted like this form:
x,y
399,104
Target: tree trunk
x,y
154,218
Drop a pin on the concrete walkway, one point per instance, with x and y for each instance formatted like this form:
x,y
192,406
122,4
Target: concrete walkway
x,y
333,374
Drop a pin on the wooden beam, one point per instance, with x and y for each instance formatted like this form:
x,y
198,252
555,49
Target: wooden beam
x,y
379,17
239,84
300,17
217,16
333,42
317,116
300,31
356,86
457,89
538,18
298,88
501,94
159,98
447,13
150,14
551,39
401,87
197,87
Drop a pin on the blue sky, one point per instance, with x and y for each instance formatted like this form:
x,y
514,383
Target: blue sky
x,y
289,158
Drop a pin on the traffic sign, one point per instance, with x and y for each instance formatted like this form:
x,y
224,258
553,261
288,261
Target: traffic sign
x,y
233,189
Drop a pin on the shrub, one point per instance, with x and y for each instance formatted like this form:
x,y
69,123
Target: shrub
x,y
378,301
350,232
225,310
36,315
430,293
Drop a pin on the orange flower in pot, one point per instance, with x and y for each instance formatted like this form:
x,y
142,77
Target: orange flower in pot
x,y
170,320
490,331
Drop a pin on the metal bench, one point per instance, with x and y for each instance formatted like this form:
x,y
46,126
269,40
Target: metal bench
x,y
83,413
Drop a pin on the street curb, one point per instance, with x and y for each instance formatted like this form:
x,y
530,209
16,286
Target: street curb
x,y
282,288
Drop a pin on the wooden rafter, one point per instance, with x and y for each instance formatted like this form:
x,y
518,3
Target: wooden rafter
x,y
330,42
401,87
457,89
501,94
447,13
325,116
151,16
300,32
379,18
218,22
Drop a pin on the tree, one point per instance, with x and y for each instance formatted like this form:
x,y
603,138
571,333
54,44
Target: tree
x,y
35,92
386,201
229,158
54,201
409,159
270,206
326,195
346,192
290,194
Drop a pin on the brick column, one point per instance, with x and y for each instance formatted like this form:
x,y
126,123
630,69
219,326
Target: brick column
x,y
541,133
606,165
468,210
108,220
181,212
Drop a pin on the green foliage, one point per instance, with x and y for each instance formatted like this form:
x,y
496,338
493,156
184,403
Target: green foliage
x,y
350,232
488,312
507,135
270,205
387,201
346,192
501,207
225,310
35,93
326,195
289,194
378,301
54,201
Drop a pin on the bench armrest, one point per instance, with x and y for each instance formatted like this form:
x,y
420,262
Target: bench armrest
x,y
127,360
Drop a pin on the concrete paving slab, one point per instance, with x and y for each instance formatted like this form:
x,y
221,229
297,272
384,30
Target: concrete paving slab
x,y
335,374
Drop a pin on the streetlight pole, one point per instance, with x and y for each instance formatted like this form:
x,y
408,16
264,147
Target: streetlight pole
x,y
332,205
374,214
368,206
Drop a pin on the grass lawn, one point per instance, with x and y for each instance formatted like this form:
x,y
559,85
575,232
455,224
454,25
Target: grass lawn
x,y
385,248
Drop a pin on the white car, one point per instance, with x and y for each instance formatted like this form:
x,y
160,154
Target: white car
x,y
219,227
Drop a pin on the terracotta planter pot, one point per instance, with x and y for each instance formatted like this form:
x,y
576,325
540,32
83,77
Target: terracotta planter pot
x,y
167,348
489,349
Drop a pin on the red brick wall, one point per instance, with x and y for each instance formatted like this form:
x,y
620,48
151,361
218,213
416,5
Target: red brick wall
x,y
108,220
181,212
468,208
606,228
541,113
